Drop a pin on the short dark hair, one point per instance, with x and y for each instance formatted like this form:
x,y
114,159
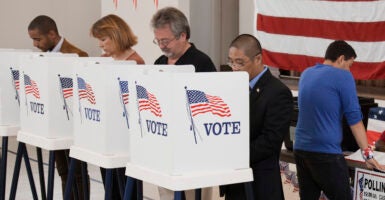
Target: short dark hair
x,y
248,43
173,17
44,24
339,48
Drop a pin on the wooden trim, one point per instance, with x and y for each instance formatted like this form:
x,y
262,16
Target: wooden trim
x,y
376,92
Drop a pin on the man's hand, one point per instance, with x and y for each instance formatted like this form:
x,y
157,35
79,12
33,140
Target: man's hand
x,y
372,163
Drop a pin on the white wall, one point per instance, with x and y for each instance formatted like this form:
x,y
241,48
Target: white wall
x,y
206,36
213,24
246,17
139,20
73,17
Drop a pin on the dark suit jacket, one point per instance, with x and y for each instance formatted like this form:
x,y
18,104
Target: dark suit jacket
x,y
70,48
271,107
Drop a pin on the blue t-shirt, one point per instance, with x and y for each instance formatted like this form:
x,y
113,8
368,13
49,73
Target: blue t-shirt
x,y
325,95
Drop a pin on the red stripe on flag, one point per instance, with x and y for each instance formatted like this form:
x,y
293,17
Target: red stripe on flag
x,y
336,30
115,3
156,2
68,92
372,136
360,70
17,84
125,98
347,0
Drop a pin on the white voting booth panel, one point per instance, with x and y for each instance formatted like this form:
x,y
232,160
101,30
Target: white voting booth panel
x,y
41,96
104,93
99,114
47,94
9,88
187,123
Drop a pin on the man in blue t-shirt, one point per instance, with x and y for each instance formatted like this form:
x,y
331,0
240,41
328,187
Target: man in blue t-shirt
x,y
327,93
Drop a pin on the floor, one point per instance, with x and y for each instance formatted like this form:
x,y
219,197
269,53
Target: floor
x,y
97,191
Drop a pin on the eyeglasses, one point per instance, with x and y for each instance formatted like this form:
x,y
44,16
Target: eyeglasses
x,y
163,42
238,63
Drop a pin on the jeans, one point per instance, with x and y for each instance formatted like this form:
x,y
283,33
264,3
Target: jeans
x,y
322,172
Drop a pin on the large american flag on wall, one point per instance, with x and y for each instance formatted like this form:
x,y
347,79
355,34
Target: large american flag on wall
x,y
295,33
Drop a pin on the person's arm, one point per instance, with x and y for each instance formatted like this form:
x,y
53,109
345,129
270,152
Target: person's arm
x,y
359,133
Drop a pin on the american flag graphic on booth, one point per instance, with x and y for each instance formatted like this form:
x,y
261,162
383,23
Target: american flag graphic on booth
x,y
124,91
361,186
147,101
16,78
201,102
31,87
376,124
85,91
66,86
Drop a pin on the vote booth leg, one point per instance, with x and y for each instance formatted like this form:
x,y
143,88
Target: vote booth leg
x,y
120,180
3,167
108,185
86,192
41,172
179,195
51,175
139,190
249,190
22,152
70,185
129,190
198,194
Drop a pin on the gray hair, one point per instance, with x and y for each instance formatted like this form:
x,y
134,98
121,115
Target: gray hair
x,y
173,17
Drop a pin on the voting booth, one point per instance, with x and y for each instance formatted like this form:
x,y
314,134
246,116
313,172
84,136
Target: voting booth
x,y
187,123
46,94
104,93
43,109
10,87
376,125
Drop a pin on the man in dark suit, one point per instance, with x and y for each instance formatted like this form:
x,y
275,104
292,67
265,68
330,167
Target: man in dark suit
x,y
44,33
271,107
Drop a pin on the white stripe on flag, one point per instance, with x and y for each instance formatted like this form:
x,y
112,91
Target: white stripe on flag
x,y
317,46
376,125
358,11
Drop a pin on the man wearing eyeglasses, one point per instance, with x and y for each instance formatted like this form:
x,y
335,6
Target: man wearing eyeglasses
x,y
172,34
271,108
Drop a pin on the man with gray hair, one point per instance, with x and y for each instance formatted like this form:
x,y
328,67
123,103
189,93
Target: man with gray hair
x,y
172,34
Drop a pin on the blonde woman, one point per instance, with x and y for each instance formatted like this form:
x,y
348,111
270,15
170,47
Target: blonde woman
x,y
116,38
